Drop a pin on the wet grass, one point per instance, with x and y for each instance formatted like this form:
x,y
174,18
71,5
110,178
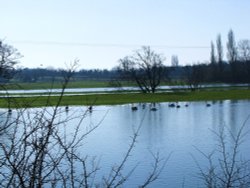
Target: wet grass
x,y
58,85
123,98
71,84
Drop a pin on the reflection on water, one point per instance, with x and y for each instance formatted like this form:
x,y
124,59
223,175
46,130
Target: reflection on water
x,y
166,130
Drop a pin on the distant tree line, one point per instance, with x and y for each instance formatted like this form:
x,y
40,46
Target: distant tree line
x,y
44,75
146,67
237,67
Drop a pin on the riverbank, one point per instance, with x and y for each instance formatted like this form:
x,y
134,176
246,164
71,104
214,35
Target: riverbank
x,y
123,98
58,84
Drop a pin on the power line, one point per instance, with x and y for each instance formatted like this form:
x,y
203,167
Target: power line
x,y
58,43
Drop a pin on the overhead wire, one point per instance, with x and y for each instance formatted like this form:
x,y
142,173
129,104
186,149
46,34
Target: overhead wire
x,y
59,43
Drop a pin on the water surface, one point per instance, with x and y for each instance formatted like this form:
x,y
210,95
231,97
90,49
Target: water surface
x,y
167,130
175,131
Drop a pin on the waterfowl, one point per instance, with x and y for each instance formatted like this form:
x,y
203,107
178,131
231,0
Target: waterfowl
x,y
143,106
153,109
90,108
134,108
171,105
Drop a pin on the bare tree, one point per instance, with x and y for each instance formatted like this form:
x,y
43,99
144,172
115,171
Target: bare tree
x,y
212,54
29,159
9,57
226,168
219,56
213,64
231,48
38,151
145,67
244,57
232,55
174,61
194,76
219,49
244,50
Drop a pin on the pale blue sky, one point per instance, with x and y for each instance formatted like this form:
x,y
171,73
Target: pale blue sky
x,y
99,32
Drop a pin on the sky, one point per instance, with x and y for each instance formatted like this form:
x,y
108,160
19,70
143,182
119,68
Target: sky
x,y
53,33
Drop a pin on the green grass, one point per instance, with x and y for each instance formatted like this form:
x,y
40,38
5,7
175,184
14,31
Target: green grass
x,y
82,84
56,85
111,99
72,84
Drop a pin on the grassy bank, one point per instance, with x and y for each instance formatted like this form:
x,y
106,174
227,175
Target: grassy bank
x,y
58,84
111,99
72,84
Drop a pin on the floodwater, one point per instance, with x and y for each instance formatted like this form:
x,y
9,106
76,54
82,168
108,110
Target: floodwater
x,y
169,131
175,131
108,89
